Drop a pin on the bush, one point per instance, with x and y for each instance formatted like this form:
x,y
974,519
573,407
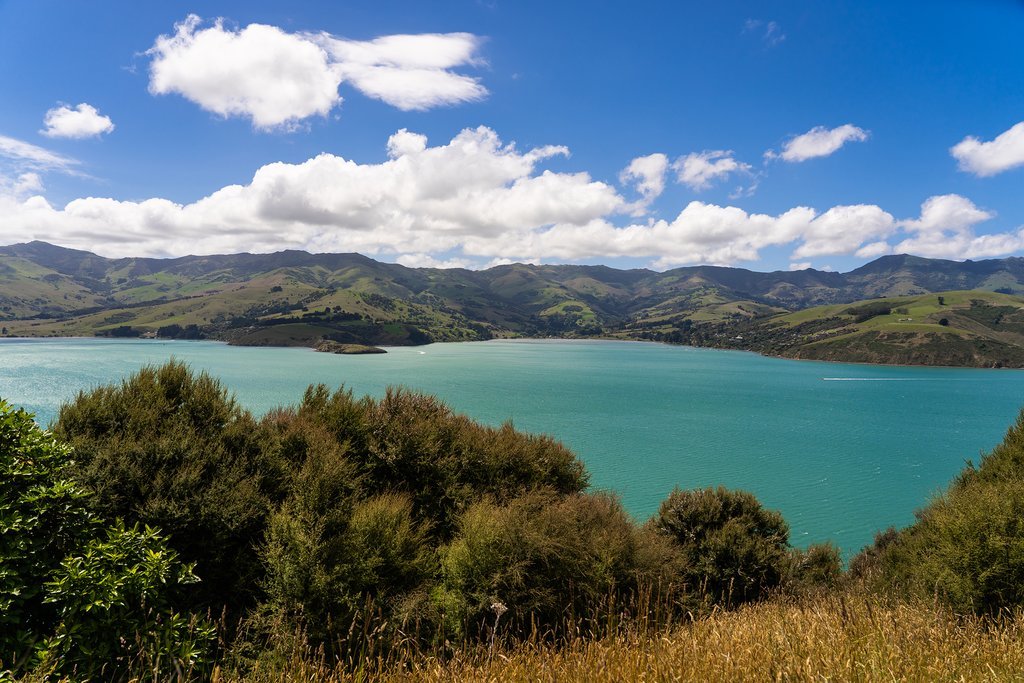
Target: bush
x,y
550,560
170,449
445,462
819,566
734,550
328,555
116,615
79,597
43,517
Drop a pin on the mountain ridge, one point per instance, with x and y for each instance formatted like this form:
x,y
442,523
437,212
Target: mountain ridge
x,y
294,297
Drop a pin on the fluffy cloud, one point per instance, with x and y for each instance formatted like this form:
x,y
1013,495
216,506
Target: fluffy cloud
x,y
707,233
843,229
647,175
946,230
278,79
874,250
423,200
274,78
699,170
818,142
701,233
84,121
476,201
989,158
411,72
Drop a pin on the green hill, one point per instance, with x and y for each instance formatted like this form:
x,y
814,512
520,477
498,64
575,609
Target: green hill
x,y
964,328
296,298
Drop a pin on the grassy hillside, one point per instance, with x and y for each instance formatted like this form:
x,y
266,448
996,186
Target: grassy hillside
x,y
294,298
962,328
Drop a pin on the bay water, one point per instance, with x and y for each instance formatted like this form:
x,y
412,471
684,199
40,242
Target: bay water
x,y
841,450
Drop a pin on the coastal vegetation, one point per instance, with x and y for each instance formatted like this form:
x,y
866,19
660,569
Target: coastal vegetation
x,y
898,309
162,531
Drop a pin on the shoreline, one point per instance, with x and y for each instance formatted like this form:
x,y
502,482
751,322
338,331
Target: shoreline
x,y
594,339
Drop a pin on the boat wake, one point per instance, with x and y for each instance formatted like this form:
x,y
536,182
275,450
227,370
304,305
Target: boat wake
x,y
875,379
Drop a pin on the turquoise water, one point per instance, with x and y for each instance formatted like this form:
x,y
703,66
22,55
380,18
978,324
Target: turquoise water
x,y
841,450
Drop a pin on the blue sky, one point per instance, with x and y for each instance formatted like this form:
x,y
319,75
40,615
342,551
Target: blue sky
x,y
768,135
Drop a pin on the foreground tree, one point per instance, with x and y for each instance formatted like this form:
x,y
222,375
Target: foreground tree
x,y
171,449
734,550
78,596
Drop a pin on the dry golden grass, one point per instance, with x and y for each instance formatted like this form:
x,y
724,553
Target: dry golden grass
x,y
824,639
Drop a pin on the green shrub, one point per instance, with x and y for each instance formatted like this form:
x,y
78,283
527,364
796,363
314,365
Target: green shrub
x,y
327,567
116,615
170,449
43,518
415,444
78,597
549,559
819,566
734,550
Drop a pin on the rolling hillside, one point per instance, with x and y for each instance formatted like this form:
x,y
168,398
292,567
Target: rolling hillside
x,y
297,298
971,328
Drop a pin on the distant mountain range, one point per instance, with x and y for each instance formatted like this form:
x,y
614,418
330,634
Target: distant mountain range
x,y
298,298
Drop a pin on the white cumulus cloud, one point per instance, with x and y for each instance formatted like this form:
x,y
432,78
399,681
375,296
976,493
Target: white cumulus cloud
x,y
647,175
472,201
83,121
279,79
699,170
818,142
989,158
945,229
273,77
844,229
423,200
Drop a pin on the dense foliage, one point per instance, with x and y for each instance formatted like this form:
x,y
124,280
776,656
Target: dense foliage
x,y
735,551
170,449
79,596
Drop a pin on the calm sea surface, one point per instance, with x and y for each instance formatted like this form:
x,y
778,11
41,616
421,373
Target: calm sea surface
x,y
841,450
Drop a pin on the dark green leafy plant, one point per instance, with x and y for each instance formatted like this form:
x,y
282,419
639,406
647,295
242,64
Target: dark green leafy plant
x,y
414,443
169,448
115,613
80,597
547,558
43,517
734,549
